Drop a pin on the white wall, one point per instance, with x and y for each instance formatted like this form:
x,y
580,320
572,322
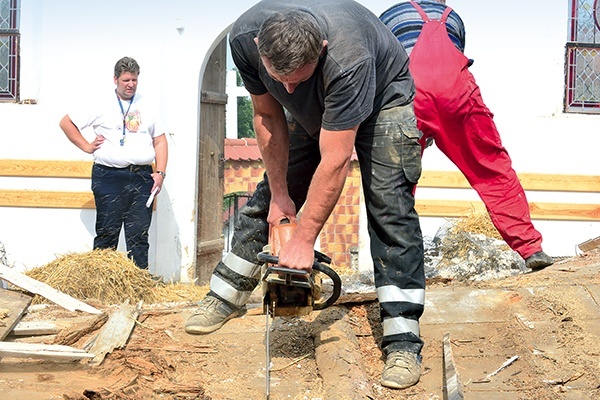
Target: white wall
x,y
68,50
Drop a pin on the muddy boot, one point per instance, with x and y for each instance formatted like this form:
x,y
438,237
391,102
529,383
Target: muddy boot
x,y
402,369
211,315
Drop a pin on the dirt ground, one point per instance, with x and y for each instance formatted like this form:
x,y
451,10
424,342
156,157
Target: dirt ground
x,y
549,319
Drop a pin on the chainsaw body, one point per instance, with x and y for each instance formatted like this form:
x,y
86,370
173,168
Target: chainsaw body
x,y
290,292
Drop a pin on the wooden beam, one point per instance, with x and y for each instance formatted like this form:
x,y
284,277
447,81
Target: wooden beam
x,y
542,182
46,168
46,199
544,211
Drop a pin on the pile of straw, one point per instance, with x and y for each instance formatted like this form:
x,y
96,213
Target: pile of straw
x,y
476,222
109,277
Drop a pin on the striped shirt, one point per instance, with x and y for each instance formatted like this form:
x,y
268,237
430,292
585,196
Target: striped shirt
x,y
406,22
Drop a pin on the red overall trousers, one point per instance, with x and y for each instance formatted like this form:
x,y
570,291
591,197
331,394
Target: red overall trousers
x,y
449,108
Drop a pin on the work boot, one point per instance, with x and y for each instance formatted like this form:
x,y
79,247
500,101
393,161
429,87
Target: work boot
x,y
402,369
211,314
539,260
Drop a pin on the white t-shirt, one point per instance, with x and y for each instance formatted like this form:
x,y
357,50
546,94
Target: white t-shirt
x,y
105,117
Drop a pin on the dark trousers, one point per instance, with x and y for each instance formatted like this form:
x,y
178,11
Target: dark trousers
x,y
121,195
390,162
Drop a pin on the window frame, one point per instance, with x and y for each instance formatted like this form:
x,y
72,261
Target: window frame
x,y
582,57
11,37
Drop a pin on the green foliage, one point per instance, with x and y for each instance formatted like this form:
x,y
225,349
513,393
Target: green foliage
x,y
245,126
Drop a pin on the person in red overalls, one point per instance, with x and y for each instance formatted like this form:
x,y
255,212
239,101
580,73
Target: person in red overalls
x,y
450,110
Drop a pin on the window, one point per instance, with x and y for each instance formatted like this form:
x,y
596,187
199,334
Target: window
x,y
9,50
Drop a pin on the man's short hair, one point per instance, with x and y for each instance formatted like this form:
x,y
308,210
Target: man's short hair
x,y
290,40
126,64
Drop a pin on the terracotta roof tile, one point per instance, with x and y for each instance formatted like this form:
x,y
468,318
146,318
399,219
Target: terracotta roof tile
x,y
242,150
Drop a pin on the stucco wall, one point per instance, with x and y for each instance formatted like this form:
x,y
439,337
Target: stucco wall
x,y
68,50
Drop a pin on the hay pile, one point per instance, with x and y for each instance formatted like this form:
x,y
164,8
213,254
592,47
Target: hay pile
x,y
477,222
458,239
109,277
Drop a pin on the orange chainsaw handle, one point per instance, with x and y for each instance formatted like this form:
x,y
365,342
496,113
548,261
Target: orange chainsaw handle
x,y
280,234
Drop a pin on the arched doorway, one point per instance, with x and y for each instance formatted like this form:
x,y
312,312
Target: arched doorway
x,y
213,100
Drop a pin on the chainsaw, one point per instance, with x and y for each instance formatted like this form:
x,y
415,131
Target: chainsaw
x,y
289,292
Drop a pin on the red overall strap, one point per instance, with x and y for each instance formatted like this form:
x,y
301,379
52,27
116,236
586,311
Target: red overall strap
x,y
423,14
447,12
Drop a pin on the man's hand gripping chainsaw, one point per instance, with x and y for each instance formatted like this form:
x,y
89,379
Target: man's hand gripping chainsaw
x,y
293,292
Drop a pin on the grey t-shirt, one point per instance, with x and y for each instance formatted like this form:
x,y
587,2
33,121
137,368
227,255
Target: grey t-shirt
x,y
363,70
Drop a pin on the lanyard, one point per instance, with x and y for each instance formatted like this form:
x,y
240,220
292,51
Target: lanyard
x,y
124,113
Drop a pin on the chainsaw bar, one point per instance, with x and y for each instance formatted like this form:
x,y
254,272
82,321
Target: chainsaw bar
x,y
268,352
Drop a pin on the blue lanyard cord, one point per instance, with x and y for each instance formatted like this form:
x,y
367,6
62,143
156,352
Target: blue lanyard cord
x,y
124,113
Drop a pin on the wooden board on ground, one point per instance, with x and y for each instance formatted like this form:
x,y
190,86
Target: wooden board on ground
x,y
51,352
37,287
115,332
13,305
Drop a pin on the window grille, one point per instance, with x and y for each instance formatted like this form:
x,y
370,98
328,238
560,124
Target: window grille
x,y
9,50
583,57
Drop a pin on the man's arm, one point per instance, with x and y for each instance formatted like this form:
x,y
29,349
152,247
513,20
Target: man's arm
x,y
274,142
74,135
161,150
325,188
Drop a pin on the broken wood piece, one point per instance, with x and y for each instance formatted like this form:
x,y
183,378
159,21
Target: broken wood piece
x,y
45,352
294,361
589,244
506,364
15,305
73,333
563,381
452,384
44,290
524,321
115,332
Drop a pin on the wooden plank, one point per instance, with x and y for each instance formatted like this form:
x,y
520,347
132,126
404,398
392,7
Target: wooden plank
x,y
452,385
538,210
46,168
590,244
42,351
13,305
115,332
46,199
529,181
37,287
33,328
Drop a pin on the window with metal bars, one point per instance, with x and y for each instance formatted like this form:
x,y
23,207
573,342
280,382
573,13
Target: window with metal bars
x,y
582,87
9,50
